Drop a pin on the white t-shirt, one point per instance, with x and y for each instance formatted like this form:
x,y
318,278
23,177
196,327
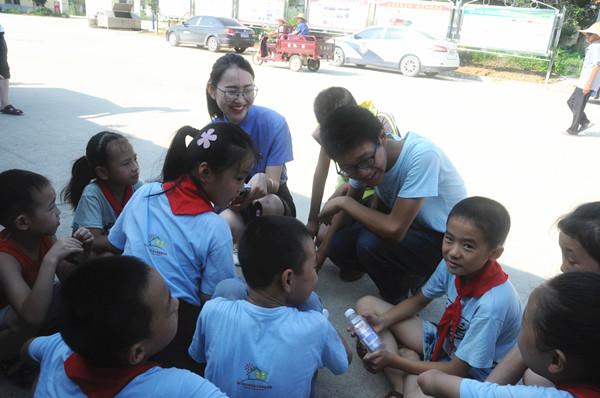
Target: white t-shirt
x,y
422,171
489,325
477,389
253,351
193,253
52,352
592,58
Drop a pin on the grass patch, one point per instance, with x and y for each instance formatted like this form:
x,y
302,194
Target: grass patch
x,y
567,62
41,11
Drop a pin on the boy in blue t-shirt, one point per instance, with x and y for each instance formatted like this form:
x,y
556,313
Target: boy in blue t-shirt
x,y
247,344
117,313
483,312
397,239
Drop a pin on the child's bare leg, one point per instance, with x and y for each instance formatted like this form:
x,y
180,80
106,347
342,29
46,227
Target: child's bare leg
x,y
272,205
530,378
407,333
411,388
236,225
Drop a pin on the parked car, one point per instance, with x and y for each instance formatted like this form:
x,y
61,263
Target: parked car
x,y
212,33
399,47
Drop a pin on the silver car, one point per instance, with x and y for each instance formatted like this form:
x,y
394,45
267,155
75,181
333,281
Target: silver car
x,y
398,47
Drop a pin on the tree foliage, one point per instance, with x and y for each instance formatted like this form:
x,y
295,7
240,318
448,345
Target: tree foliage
x,y
579,15
39,3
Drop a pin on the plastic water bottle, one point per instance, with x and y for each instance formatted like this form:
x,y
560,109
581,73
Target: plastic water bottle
x,y
364,331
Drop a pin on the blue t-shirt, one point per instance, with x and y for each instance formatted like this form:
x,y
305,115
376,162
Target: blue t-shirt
x,y
253,351
422,170
93,210
302,29
271,135
476,389
193,253
489,325
52,352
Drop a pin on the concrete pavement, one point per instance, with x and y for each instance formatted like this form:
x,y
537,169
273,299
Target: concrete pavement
x,y
505,137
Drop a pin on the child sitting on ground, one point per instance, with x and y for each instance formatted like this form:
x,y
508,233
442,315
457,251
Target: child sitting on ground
x,y
173,227
101,183
559,340
263,347
326,102
579,241
483,314
30,257
117,312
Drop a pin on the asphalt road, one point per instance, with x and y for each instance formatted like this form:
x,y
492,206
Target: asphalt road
x,y
506,138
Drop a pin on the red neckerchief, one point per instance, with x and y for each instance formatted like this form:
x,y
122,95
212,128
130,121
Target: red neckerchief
x,y
114,203
30,267
584,391
101,382
490,276
185,198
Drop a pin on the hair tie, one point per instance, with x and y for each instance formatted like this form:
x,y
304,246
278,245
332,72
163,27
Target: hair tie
x,y
206,137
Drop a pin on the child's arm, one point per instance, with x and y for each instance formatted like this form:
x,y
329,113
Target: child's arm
x,y
101,243
318,187
439,384
66,266
376,361
510,370
391,226
401,311
25,354
32,304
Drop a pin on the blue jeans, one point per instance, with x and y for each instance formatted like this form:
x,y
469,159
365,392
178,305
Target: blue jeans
x,y
236,289
395,267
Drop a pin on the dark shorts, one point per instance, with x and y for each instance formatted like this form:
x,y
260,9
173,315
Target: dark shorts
x,y
250,212
4,69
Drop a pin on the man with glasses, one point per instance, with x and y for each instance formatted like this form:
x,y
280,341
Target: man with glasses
x,y
398,239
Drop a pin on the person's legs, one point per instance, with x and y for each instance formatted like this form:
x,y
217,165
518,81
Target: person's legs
x,y
398,337
395,267
236,225
3,93
576,103
343,246
411,388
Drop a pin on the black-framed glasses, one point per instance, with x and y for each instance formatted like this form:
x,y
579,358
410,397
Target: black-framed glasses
x,y
231,94
349,171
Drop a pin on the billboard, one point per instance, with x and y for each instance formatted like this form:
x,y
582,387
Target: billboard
x,y
261,11
523,30
338,14
430,17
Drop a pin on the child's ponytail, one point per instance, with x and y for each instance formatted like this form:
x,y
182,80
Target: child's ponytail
x,y
84,168
175,161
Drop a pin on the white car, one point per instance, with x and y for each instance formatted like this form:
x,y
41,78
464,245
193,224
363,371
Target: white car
x,y
399,47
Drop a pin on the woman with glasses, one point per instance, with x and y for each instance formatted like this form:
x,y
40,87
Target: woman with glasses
x,y
230,95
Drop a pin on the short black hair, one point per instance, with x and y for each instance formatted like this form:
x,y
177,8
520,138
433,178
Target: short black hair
x,y
489,216
566,318
17,188
348,127
583,225
329,100
103,311
269,246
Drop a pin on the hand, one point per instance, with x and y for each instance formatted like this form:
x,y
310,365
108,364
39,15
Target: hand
x,y
342,190
374,362
259,184
586,90
330,209
85,237
377,322
63,248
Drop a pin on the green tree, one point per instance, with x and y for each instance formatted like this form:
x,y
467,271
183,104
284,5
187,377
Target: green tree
x,y
39,3
580,14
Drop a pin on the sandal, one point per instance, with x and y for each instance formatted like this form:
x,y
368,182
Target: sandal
x,y
11,110
394,394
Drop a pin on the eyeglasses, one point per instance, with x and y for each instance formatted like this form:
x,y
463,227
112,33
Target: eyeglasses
x,y
348,171
231,94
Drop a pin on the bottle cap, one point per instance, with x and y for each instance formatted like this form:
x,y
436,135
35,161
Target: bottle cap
x,y
349,312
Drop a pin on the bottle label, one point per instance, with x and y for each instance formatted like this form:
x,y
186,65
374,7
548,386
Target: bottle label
x,y
367,335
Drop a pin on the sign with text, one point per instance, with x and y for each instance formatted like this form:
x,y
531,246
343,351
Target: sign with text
x,y
430,17
349,15
524,30
261,11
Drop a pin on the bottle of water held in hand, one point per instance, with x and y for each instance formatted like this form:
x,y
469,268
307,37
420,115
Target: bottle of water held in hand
x,y
364,331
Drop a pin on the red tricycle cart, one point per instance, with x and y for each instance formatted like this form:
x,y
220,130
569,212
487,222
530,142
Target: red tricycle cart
x,y
297,50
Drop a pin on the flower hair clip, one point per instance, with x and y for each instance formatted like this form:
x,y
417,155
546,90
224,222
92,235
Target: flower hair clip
x,y
206,137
